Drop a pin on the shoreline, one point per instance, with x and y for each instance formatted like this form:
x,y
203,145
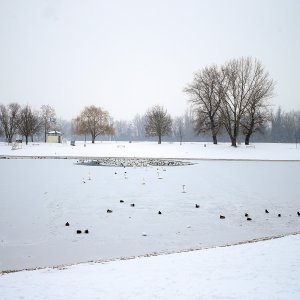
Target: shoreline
x,y
152,254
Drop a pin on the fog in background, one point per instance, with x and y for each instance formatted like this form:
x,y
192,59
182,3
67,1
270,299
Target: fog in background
x,y
126,56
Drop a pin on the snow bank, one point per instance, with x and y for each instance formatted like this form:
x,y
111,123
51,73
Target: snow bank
x,y
264,270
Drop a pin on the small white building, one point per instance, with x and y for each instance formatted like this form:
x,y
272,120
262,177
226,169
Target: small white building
x,y
54,137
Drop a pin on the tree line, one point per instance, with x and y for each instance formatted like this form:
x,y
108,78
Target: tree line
x,y
24,121
283,127
227,103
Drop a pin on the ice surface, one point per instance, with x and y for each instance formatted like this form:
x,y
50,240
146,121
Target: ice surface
x,y
39,196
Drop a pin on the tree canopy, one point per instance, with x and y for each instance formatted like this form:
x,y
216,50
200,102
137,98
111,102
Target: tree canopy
x,y
94,121
158,122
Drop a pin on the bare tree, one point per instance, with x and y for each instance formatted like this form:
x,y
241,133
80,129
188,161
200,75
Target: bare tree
x,y
48,118
179,128
204,93
138,123
64,126
255,120
29,123
285,126
291,126
121,129
189,130
246,83
257,112
296,119
9,118
158,122
94,121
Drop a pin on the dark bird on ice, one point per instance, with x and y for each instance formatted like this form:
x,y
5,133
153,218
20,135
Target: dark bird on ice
x,y
279,215
246,215
298,213
266,211
249,219
159,212
86,231
121,201
67,224
78,231
222,217
132,204
197,205
109,211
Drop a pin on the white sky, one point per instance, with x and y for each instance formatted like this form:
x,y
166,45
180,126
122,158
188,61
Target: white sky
x,y
126,56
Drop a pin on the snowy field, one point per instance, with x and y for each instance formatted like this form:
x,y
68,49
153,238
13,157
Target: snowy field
x,y
38,196
152,149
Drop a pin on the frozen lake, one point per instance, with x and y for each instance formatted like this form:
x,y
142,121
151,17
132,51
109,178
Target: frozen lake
x,y
39,196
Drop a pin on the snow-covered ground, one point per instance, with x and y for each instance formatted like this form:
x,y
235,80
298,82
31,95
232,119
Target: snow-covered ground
x,y
152,149
264,270
38,196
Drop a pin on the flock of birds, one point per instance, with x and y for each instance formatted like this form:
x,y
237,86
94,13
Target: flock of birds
x,y
250,219
144,163
109,211
132,162
78,231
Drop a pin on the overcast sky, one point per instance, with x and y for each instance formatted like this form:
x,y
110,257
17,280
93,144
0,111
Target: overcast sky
x,y
126,56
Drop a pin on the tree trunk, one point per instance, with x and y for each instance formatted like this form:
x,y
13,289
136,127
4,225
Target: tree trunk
x,y
247,139
159,139
26,139
213,131
233,141
32,138
249,133
45,135
215,139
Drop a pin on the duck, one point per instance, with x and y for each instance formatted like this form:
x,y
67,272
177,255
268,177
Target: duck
x,y
222,217
109,211
279,215
246,215
159,212
78,231
197,205
132,205
298,213
121,201
266,211
86,231
67,224
249,219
